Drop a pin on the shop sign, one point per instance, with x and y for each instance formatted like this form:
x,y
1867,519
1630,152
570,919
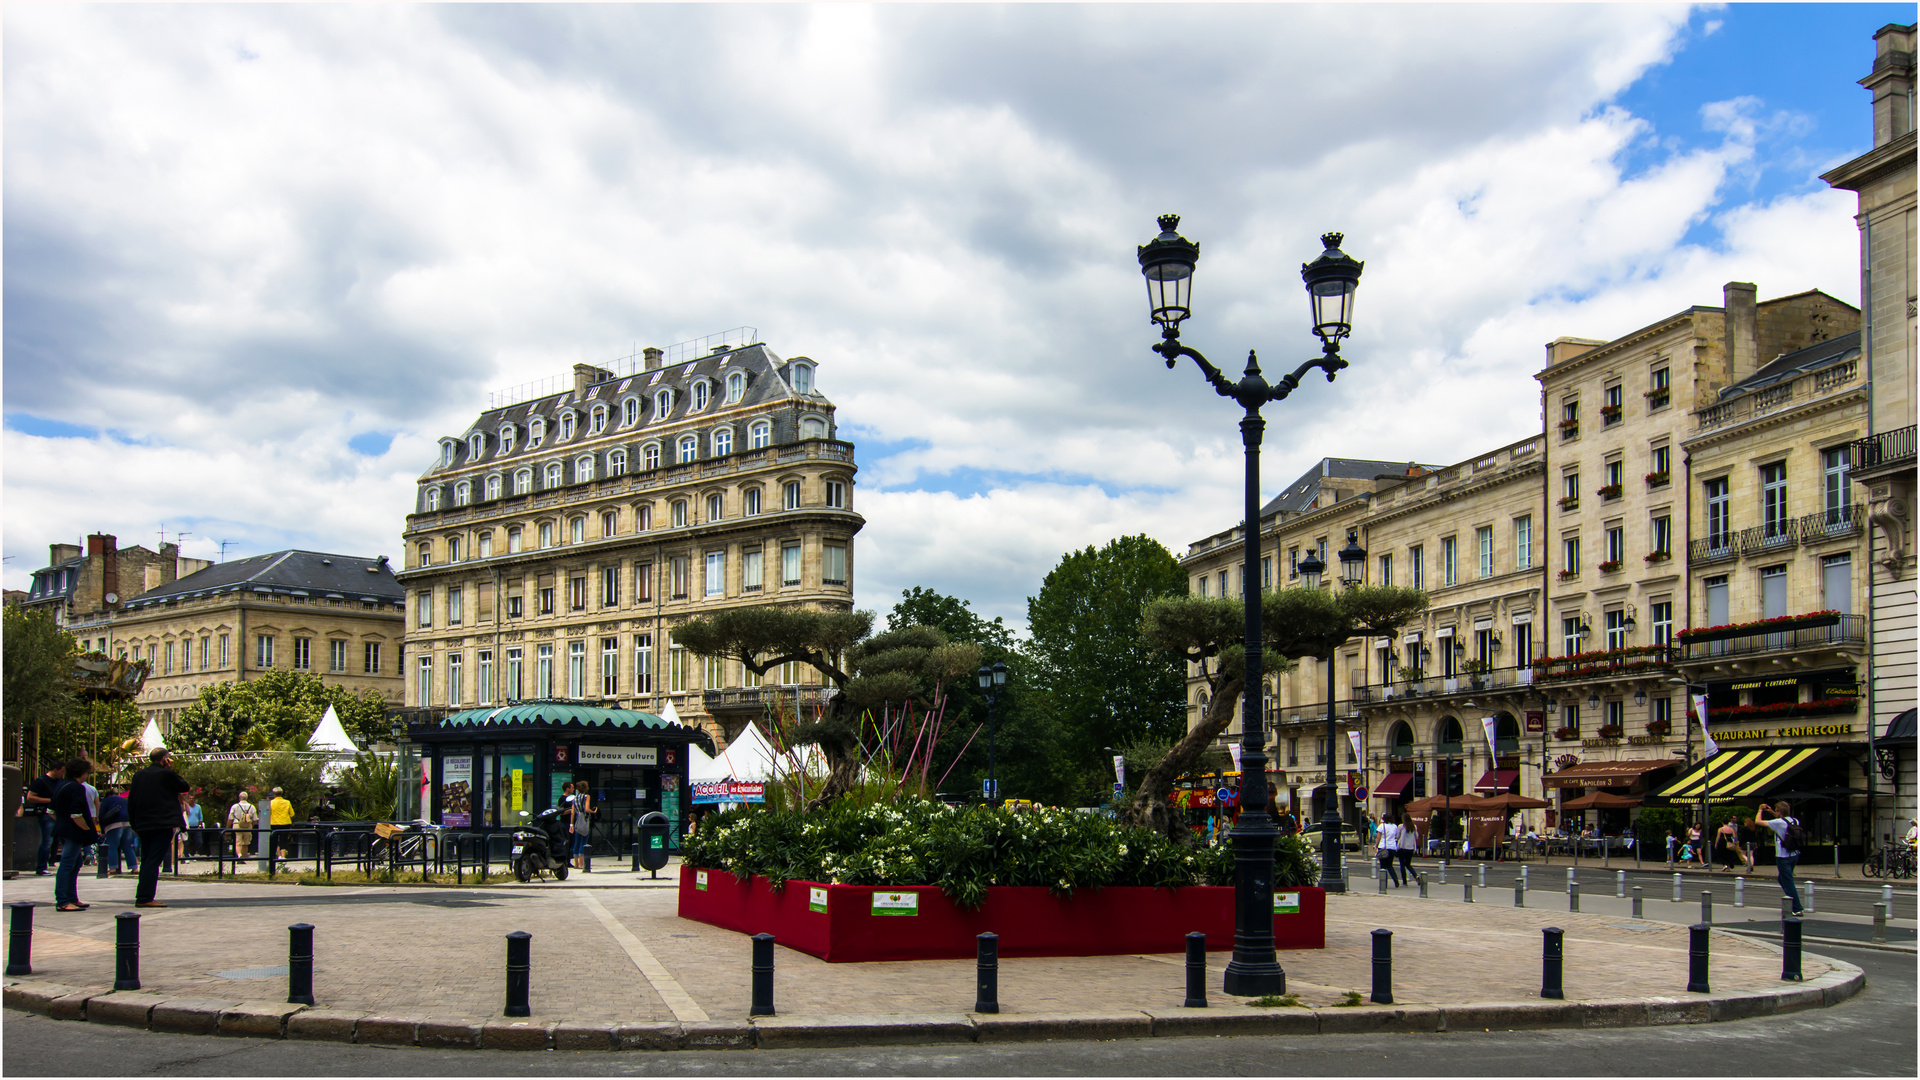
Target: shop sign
x,y
896,903
726,791
1784,733
619,755
1536,720
817,899
700,880
1286,903
1758,684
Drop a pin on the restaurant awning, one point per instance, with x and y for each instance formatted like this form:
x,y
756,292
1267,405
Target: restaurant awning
x,y
1742,774
1497,780
1600,800
1392,784
1606,773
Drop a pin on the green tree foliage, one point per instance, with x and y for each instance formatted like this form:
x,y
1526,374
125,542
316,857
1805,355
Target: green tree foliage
x,y
1211,633
369,787
1103,682
279,708
954,616
38,699
215,784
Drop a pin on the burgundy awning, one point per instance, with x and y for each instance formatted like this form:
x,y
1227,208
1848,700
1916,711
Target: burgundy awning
x,y
1392,785
1497,780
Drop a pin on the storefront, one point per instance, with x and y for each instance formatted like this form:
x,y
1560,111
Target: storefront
x,y
482,767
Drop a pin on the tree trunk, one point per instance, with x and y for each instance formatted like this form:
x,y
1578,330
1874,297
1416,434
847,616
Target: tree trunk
x,y
1149,807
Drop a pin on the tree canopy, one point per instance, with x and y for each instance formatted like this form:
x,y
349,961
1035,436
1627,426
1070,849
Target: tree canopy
x,y
38,656
279,708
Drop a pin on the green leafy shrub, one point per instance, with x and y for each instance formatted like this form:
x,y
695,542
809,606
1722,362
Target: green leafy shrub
x,y
963,852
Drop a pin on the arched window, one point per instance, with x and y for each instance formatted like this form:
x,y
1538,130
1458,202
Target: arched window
x,y
1451,738
554,475
453,549
679,513
802,376
513,540
506,438
750,501
1506,734
616,462
583,468
791,492
643,517
476,445
736,387
433,499
662,404
577,531
630,412
701,392
523,482
723,442
493,487
716,507
546,534
597,420
462,493
609,522
446,452
689,449
650,455
759,435
1400,741
813,428
566,426
536,432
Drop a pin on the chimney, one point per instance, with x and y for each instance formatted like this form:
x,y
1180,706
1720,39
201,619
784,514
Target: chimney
x,y
59,553
1891,83
1743,329
651,358
1566,348
107,547
585,375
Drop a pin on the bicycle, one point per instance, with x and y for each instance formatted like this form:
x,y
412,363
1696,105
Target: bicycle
x,y
1893,860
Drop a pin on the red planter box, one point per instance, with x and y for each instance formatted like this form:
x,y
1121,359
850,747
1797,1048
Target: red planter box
x,y
845,923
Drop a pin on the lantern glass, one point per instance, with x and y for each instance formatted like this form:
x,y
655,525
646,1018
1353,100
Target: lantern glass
x,y
1331,281
1353,559
999,673
984,677
1167,262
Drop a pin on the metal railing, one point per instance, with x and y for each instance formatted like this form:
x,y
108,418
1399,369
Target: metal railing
x,y
1834,521
1712,549
1882,450
414,847
1778,535
1850,630
1772,399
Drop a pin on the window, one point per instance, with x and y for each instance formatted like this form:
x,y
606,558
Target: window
x,y
426,553
643,663
1386,569
1660,614
678,515
1483,539
577,530
1266,572
1614,471
597,420
423,600
455,598
583,468
576,669
716,504
715,675
1223,583
493,487
609,522
1616,629
536,432
701,392
1836,583
662,404
206,651
1569,489
1449,656
759,435
1719,514
1570,555
453,549
555,475
1616,714
736,387
1569,414
510,688
167,669
1201,585
689,449
643,582
1570,635
802,379
1773,498
371,663
462,493
423,686
513,540
1661,461
629,412
476,445
1571,716
1662,531
1715,592
576,592
1833,477
1449,570
1523,646
609,586
446,453
833,568
483,675
1416,566
677,577
523,482
676,668
543,671
1658,392
566,426
506,438
716,573
609,666
546,534
750,501
836,494
642,517
791,494
455,688
1610,408
1616,543
722,442
546,596
1293,563
1660,711
433,499
1523,542
751,572
790,564
651,456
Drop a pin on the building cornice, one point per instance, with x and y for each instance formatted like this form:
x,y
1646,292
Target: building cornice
x,y
1619,345
1874,165
1726,433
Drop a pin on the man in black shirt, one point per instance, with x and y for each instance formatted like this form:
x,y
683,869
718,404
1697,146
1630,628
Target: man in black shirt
x,y
154,803
73,822
39,802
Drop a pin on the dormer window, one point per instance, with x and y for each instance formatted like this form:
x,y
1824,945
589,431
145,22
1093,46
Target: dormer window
x,y
523,482
662,404
813,428
506,438
493,487
651,456
446,452
759,435
597,420
689,449
566,426
616,463
630,412
802,378
476,445
433,499
536,432
583,468
736,387
723,442
555,475
701,392
462,493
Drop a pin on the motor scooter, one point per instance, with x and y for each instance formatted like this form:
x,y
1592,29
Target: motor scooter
x,y
534,844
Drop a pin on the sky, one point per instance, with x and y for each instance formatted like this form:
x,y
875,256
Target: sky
x,y
259,258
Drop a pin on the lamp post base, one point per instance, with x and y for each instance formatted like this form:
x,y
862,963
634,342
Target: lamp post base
x,y
1254,979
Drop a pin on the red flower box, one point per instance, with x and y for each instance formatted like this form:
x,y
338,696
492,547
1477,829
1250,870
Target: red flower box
x,y
1030,920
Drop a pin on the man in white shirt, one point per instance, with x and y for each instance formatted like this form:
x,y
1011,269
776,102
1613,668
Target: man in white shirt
x,y
1783,861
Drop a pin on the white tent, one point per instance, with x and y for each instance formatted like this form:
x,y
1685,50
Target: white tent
x,y
331,735
150,739
701,768
669,714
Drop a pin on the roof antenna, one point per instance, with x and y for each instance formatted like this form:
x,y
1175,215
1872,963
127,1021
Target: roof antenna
x,y
224,545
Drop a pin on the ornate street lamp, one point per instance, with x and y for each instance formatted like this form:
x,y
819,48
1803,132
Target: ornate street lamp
x,y
1167,262
993,681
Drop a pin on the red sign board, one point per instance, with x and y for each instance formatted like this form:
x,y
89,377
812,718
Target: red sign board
x,y
1536,720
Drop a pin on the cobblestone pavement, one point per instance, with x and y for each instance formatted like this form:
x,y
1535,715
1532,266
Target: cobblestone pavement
x,y
622,954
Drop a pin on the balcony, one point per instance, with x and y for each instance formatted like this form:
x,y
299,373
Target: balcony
x,y
1781,535
1636,661
1839,521
1888,451
1713,549
757,698
1817,630
1440,686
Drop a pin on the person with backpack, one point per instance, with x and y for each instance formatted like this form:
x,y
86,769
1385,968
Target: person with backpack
x,y
1788,838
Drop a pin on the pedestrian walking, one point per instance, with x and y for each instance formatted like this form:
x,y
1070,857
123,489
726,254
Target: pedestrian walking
x,y
279,814
1388,847
188,841
1405,844
1726,846
38,801
242,818
116,833
582,823
1784,860
76,827
155,801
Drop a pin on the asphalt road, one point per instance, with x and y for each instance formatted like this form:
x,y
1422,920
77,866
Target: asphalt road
x,y
1763,888
1873,1034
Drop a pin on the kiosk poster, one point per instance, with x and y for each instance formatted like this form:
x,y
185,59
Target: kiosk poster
x,y
456,791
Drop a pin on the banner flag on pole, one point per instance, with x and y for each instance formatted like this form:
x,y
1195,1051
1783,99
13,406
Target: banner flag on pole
x,y
1120,769
1234,749
1700,707
1492,728
1353,740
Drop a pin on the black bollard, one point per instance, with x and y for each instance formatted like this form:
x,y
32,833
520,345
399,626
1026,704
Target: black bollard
x,y
1697,959
986,994
20,939
126,951
1790,949
300,964
762,976
1552,962
1196,971
519,973
1382,967
636,856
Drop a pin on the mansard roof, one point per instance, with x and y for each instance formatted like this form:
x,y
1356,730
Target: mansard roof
x,y
1782,368
311,573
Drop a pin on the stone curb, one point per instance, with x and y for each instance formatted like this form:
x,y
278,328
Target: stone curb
x,y
274,1020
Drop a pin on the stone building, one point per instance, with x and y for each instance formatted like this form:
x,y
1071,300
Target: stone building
x,y
556,541
1883,461
338,616
83,589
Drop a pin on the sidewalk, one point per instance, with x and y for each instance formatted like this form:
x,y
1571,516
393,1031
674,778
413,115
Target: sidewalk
x,y
411,961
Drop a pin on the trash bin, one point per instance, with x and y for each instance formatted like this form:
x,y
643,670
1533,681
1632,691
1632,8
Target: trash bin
x,y
653,840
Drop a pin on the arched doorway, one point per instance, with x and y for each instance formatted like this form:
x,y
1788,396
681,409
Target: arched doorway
x,y
1400,741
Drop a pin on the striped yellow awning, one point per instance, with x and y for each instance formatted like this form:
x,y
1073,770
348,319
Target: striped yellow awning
x,y
1741,774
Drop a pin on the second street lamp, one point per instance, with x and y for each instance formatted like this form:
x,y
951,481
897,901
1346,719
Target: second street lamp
x,y
993,680
1168,262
